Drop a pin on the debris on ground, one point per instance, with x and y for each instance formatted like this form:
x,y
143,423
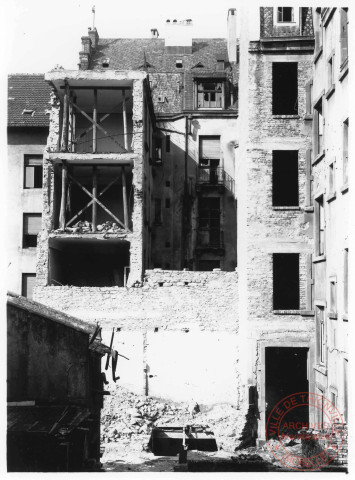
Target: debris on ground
x,y
86,227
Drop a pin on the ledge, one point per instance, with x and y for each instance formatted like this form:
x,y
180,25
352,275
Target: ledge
x,y
308,117
317,55
321,369
345,317
344,188
287,312
94,158
330,92
333,316
307,313
286,117
287,208
331,197
309,209
319,157
320,258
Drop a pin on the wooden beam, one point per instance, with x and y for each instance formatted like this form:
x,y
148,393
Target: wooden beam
x,y
65,129
94,117
98,88
124,194
98,126
97,201
92,201
63,199
94,193
124,112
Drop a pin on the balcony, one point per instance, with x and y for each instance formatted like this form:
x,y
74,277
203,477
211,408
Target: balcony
x,y
213,177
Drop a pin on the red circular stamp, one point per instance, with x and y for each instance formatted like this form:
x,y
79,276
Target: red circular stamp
x,y
299,444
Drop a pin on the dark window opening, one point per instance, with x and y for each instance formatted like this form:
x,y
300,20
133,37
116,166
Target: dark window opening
x,y
209,155
284,88
210,94
28,282
285,178
285,14
167,203
89,262
167,143
208,265
209,222
157,211
343,35
319,226
286,281
33,176
32,224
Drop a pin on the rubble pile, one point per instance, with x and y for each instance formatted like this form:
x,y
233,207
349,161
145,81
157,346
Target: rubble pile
x,y
128,419
86,227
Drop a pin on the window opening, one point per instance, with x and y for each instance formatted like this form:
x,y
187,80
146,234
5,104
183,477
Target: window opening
x,y
284,88
285,178
32,224
286,283
285,14
33,176
210,94
28,283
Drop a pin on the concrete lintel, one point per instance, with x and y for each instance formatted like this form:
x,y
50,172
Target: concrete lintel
x,y
93,75
84,158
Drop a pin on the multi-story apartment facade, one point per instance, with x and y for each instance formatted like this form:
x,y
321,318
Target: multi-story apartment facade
x,y
28,122
329,100
178,209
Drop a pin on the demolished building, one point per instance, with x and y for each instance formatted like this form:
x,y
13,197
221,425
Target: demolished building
x,y
178,210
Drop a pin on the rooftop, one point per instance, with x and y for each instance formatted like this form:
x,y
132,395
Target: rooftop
x,y
28,100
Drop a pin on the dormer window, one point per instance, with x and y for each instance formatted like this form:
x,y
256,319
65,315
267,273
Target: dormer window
x,y
220,65
210,94
285,15
106,62
28,112
178,63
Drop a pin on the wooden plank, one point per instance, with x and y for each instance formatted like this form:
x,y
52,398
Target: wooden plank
x,y
98,126
92,201
64,145
124,113
63,199
124,194
94,117
94,193
98,201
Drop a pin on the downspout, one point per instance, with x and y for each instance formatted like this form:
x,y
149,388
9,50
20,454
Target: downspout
x,y
185,226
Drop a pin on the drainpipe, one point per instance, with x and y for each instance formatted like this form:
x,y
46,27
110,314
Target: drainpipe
x,y
185,198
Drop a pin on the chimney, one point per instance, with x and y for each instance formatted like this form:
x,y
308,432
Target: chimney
x,y
232,35
154,32
85,54
94,37
178,37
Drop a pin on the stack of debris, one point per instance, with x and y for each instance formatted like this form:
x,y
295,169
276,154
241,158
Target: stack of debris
x,y
86,227
128,419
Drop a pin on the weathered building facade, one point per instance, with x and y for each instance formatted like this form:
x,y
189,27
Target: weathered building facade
x,y
180,208
28,122
329,99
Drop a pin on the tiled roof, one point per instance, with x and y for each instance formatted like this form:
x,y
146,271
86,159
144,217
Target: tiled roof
x,y
133,53
28,92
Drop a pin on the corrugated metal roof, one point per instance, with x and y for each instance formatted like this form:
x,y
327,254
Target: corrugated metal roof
x,y
28,100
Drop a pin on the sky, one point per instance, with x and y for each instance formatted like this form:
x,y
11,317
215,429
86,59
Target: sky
x,y
43,33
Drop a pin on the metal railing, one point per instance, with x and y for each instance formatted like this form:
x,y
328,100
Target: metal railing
x,y
214,176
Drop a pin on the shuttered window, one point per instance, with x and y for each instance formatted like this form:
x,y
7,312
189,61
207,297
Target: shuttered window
x,y
210,148
32,223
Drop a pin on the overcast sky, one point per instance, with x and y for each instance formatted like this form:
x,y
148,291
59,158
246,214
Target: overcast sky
x,y
42,33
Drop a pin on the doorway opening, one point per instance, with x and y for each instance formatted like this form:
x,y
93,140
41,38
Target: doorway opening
x,y
286,373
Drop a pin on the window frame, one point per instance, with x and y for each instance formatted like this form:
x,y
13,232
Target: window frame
x,y
26,160
276,103
333,294
27,237
293,22
319,207
345,151
318,132
199,81
24,291
344,36
276,282
321,332
294,156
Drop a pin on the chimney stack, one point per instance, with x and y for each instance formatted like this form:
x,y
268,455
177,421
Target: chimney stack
x,y
178,37
154,32
94,37
232,35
